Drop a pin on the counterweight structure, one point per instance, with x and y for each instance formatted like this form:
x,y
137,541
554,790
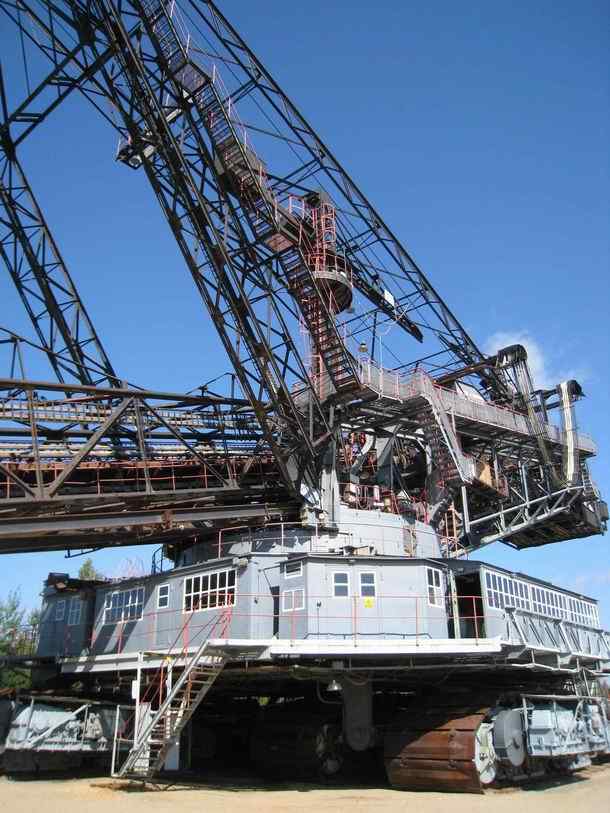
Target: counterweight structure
x,y
318,516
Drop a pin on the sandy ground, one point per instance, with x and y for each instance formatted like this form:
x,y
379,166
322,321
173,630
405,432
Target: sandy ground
x,y
589,791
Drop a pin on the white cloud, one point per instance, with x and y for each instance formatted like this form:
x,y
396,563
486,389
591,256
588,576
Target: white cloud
x,y
538,363
597,578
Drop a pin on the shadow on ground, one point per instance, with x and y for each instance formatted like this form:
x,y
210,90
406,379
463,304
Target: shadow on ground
x,y
245,781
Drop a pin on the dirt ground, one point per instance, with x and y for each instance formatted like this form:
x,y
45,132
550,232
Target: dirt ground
x,y
587,791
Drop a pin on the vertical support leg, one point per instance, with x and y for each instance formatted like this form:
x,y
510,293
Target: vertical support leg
x,y
465,511
35,447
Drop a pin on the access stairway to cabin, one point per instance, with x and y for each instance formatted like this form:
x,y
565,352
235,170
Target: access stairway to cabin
x,y
171,47
244,170
241,164
271,223
448,479
590,490
162,731
453,466
320,323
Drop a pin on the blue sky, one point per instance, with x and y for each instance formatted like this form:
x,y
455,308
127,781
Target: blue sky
x,y
479,129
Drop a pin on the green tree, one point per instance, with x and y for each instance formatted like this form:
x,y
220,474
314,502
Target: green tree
x,y
88,572
15,639
34,619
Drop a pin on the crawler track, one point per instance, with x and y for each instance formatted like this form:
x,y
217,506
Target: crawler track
x,y
435,750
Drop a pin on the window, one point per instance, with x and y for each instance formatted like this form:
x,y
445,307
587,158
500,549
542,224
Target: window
x,y
293,569
435,589
504,592
74,611
209,590
573,611
60,610
367,584
522,595
124,605
340,585
162,596
293,600
490,593
495,595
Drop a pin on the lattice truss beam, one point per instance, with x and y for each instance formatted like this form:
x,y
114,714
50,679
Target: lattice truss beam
x,y
301,276
86,465
177,94
45,286
27,247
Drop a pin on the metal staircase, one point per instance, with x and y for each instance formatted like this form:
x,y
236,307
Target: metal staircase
x,y
589,488
156,737
243,172
159,18
453,467
273,225
321,325
441,434
442,456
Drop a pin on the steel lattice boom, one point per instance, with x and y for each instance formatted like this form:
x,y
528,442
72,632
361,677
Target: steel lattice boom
x,y
302,279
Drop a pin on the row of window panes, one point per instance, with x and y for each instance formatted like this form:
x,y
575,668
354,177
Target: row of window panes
x,y
209,590
435,587
293,600
293,569
582,612
341,585
124,605
162,596
74,611
503,591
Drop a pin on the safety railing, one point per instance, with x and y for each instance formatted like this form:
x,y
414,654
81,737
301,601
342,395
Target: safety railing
x,y
398,386
17,410
50,452
284,537
298,616
97,477
527,627
158,689
159,562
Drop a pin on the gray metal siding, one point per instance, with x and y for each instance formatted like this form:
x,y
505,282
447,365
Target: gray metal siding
x,y
59,637
400,607
264,575
168,627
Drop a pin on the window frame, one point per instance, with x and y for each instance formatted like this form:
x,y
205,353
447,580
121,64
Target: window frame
x,y
160,587
75,619
438,590
373,585
212,576
296,574
293,592
60,616
347,585
108,607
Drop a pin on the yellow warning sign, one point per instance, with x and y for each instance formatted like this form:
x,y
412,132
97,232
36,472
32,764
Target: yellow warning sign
x,y
369,603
